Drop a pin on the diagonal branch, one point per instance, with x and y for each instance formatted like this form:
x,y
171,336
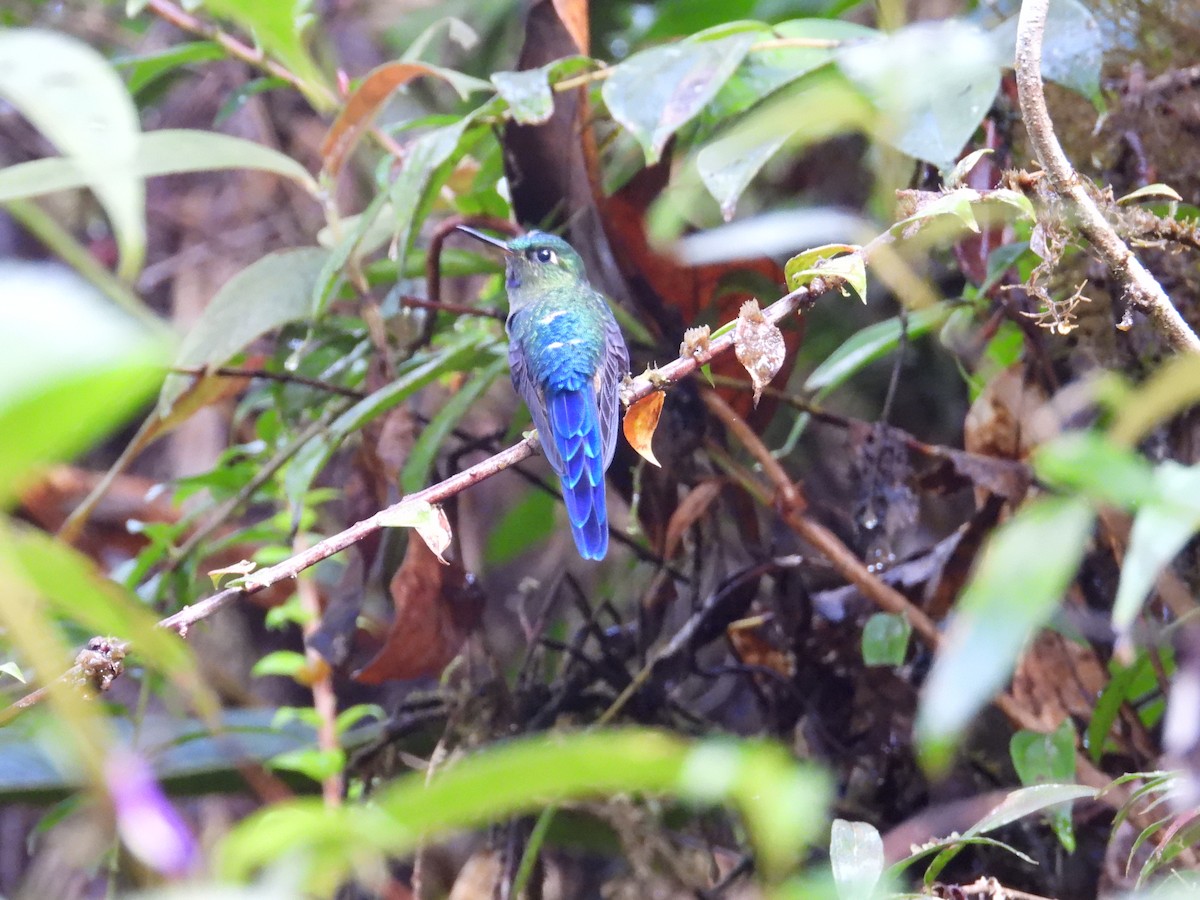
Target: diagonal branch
x,y
672,373
1140,288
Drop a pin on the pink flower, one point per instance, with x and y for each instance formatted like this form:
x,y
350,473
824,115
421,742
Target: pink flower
x,y
149,825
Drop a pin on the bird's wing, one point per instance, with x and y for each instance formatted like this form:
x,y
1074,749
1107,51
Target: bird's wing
x,y
532,395
614,366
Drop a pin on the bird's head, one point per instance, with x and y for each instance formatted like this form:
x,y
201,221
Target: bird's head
x,y
536,262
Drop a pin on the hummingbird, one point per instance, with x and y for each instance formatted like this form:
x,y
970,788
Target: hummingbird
x,y
567,359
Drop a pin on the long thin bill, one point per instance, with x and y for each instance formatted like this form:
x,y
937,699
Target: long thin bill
x,y
486,238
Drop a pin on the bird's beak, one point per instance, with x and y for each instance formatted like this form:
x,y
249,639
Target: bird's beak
x,y
486,238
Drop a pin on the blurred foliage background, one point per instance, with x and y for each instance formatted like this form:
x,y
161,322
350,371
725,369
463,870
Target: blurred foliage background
x,y
919,619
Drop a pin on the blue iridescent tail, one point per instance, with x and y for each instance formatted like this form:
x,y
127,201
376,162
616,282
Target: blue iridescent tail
x,y
575,430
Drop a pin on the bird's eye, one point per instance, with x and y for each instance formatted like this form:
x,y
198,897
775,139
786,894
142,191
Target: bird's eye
x,y
546,255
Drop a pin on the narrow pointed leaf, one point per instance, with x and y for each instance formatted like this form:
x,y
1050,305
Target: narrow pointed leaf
x,y
75,98
270,293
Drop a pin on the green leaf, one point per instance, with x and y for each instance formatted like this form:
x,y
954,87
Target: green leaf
x,y
1017,805
165,152
524,526
70,585
433,436
1089,463
856,854
74,97
429,161
277,27
1072,46
885,639
1158,190
1161,528
528,93
765,71
933,82
287,663
71,368
869,344
146,68
349,718
12,670
781,803
264,296
187,754
962,168
1174,387
1121,686
820,262
1027,801
310,762
1040,758
654,93
728,164
416,373
1026,567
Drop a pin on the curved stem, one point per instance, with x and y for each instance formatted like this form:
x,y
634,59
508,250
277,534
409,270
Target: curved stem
x,y
1141,289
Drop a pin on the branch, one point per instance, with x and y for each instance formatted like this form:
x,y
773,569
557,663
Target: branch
x,y
1140,288
643,385
672,373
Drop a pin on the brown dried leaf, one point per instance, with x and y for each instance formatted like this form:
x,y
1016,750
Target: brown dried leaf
x,y
759,346
433,618
753,645
688,512
641,420
695,340
358,113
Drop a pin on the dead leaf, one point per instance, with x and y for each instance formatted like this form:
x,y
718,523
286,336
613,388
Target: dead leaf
x,y
695,340
639,424
358,113
668,294
1058,678
688,512
435,611
574,16
759,346
753,646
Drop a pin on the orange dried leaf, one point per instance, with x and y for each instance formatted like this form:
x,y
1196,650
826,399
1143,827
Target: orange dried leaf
x,y
641,420
424,636
758,345
358,113
574,16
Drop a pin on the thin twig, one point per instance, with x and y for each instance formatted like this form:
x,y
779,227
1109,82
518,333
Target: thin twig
x,y
1141,289
185,21
634,390
283,377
